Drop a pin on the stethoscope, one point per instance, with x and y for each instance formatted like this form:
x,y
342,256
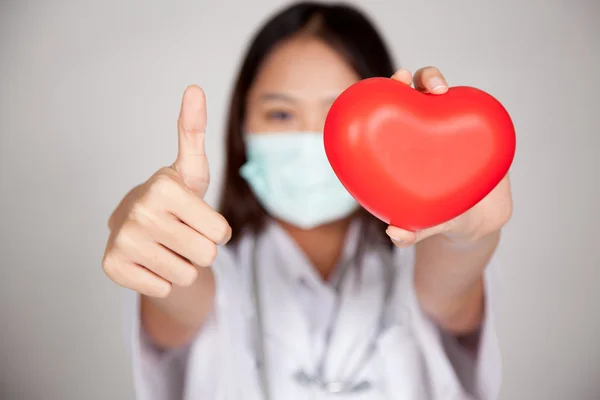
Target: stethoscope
x,y
316,379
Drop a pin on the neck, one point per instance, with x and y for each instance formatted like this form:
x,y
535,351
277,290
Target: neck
x,y
322,245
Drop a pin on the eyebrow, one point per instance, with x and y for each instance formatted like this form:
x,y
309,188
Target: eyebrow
x,y
278,96
290,99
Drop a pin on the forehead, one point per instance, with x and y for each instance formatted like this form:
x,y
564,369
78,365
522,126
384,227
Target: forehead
x,y
304,67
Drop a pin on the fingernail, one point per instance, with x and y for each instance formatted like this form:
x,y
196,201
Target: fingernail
x,y
395,239
436,84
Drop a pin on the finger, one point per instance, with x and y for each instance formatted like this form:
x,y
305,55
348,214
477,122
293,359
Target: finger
x,y
168,265
403,75
191,163
401,237
430,80
189,244
404,238
205,220
137,278
142,250
199,215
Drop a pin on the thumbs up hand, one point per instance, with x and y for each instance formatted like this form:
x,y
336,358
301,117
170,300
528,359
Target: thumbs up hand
x,y
163,230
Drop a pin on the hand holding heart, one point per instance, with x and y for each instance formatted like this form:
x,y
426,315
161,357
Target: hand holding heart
x,y
430,161
486,217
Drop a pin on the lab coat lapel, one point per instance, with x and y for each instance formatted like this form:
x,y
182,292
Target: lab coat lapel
x,y
357,323
285,324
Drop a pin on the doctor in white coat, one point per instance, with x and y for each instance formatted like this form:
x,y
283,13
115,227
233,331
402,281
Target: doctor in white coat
x,y
291,290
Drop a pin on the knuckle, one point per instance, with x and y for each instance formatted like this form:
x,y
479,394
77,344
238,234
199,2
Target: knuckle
x,y
495,220
165,171
165,267
121,239
108,265
124,238
162,184
502,219
140,212
113,269
154,261
146,218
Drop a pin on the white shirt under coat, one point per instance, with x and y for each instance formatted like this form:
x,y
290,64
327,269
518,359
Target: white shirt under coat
x,y
413,359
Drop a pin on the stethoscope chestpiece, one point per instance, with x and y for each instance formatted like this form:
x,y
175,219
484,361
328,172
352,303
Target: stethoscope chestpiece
x,y
331,387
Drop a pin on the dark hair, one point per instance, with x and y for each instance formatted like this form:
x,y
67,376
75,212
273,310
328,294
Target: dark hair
x,y
347,31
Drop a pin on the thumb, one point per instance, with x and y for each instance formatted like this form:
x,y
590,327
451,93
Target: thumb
x,y
191,163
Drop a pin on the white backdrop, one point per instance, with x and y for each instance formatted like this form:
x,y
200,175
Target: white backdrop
x,y
89,96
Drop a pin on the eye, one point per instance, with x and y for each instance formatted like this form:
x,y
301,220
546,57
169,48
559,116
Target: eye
x,y
279,115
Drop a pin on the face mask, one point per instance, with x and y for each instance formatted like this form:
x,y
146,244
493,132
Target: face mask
x,y
293,180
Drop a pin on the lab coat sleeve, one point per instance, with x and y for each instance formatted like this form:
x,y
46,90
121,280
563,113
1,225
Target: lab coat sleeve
x,y
157,374
480,373
161,375
449,363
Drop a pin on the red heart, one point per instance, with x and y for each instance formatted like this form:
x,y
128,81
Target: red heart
x,y
416,160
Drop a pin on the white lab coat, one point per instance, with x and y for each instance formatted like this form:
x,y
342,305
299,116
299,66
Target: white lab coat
x,y
413,359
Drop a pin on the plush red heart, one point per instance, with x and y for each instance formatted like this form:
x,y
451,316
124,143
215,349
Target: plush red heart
x,y
416,160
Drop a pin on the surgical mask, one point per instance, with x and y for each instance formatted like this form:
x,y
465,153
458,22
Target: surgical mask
x,y
293,180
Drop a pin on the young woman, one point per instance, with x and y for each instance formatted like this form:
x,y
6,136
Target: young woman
x,y
306,295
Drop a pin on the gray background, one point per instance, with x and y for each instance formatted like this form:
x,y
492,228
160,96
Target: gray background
x,y
89,96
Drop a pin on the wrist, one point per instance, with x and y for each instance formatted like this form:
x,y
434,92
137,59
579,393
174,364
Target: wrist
x,y
469,241
458,316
